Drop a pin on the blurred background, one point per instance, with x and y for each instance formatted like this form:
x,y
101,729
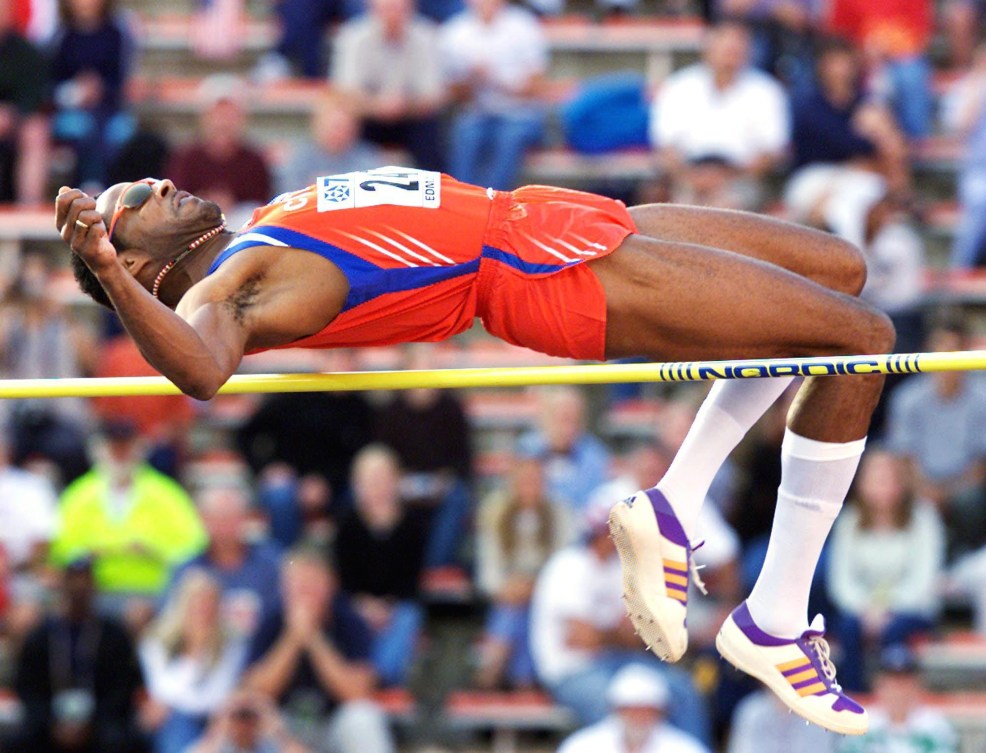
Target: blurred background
x,y
430,571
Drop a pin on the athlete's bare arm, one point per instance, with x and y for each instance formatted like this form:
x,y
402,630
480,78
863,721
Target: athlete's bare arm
x,y
261,298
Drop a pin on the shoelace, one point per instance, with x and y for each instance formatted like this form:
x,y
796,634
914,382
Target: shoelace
x,y
821,648
693,568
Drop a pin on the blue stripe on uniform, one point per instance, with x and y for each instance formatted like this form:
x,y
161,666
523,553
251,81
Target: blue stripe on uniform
x,y
527,267
366,280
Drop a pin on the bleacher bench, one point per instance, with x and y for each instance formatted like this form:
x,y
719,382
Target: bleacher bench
x,y
506,715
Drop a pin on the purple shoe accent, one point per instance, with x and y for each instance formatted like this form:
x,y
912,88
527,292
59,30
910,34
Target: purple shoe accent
x,y
845,703
675,571
797,670
677,587
667,521
809,681
741,616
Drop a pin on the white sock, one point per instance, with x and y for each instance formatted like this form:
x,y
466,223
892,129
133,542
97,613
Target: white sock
x,y
815,478
731,408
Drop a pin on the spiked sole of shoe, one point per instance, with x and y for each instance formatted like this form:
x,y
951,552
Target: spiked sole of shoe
x,y
657,618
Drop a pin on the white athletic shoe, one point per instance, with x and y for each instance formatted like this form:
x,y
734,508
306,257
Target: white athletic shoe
x,y
798,671
656,562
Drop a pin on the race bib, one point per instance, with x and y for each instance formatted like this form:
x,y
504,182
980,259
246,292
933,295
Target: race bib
x,y
390,186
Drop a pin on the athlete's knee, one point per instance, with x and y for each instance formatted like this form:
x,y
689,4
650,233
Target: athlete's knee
x,y
875,333
847,266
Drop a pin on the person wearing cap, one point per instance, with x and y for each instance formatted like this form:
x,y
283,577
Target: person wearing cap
x,y
899,720
136,522
581,637
638,698
222,166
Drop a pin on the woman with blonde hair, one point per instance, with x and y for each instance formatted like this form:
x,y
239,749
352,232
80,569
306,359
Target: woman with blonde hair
x,y
191,661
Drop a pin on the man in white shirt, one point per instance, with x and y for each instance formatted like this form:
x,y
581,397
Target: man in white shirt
x,y
719,125
495,57
639,699
388,59
581,636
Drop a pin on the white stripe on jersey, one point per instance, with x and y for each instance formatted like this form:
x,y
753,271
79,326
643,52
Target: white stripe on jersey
x,y
587,242
375,247
262,237
575,249
550,250
421,245
402,247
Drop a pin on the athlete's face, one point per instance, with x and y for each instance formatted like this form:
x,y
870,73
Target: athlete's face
x,y
155,225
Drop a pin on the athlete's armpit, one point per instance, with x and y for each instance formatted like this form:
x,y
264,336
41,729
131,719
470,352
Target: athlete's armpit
x,y
244,297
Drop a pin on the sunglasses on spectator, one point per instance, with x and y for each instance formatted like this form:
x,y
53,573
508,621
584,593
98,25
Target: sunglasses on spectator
x,y
133,196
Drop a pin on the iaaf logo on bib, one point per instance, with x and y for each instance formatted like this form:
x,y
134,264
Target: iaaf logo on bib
x,y
335,190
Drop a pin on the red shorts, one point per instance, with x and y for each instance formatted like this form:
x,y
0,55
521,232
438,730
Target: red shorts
x,y
535,288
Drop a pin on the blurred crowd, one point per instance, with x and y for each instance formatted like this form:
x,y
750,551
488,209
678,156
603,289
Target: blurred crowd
x,y
158,594
816,109
177,577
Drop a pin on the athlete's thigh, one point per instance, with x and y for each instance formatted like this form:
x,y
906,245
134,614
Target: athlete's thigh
x,y
675,301
814,254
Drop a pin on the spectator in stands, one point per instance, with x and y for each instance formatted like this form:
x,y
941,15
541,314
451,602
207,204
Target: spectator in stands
x,y
247,723
581,635
495,57
783,33
302,25
762,724
962,24
718,557
390,61
29,515
40,339
834,122
899,719
190,660
335,146
92,57
935,421
222,166
719,125
163,420
310,439
315,661
887,555
379,552
136,522
857,205
24,127
298,508
438,474
575,461
247,571
894,35
968,578
519,526
639,698
77,677
965,116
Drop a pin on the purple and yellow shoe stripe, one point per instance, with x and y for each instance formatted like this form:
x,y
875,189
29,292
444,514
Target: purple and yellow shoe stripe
x,y
676,580
803,677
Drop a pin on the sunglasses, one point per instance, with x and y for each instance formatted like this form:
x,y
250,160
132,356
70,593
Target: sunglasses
x,y
133,196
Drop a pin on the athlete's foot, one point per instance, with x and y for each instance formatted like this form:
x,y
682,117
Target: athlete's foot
x,y
656,560
799,671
